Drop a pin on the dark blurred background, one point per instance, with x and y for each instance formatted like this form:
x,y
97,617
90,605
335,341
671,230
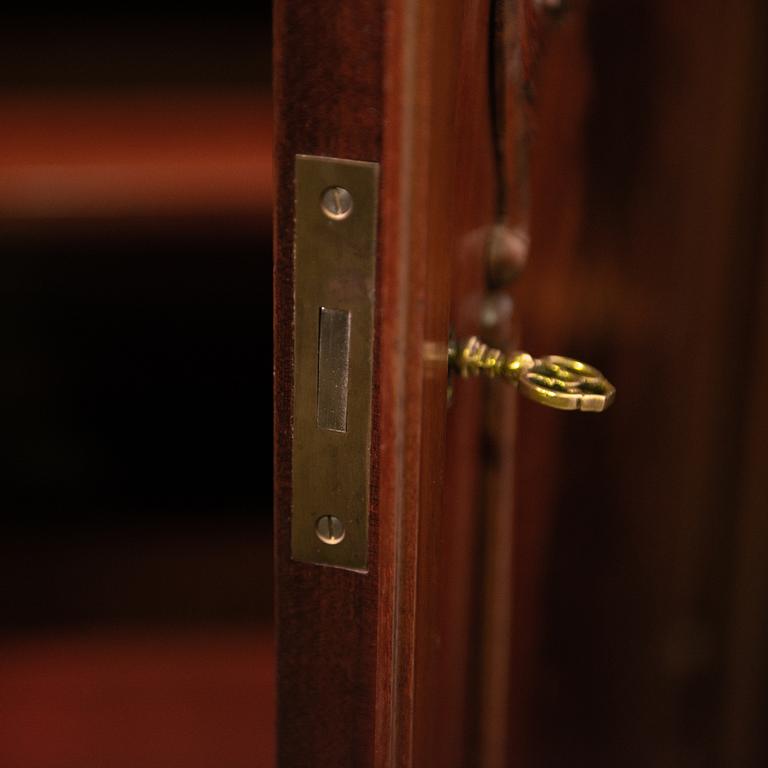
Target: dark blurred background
x,y
135,340
642,535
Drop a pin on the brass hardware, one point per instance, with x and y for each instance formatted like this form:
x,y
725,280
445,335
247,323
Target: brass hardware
x,y
334,294
330,529
336,203
333,369
555,381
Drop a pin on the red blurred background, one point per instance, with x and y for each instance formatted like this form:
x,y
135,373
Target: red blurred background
x,y
135,558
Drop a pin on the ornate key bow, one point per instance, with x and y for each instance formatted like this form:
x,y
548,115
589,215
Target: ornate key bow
x,y
553,380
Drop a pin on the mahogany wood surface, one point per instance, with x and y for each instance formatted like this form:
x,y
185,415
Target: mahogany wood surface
x,y
459,180
328,94
382,668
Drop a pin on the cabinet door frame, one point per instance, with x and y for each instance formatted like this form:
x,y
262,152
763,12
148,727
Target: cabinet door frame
x,y
384,668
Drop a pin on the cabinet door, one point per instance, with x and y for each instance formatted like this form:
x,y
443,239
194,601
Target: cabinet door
x,y
398,656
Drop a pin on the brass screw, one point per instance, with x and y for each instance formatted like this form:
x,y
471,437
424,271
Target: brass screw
x,y
336,203
329,529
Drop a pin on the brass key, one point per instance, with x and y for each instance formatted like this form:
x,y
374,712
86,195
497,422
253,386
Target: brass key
x,y
556,381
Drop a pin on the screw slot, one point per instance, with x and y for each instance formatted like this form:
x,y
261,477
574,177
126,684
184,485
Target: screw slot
x,y
336,203
329,529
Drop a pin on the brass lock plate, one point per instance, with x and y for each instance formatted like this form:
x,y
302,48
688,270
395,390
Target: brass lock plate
x,y
334,300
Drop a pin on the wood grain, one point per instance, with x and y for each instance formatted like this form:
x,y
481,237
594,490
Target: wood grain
x,y
328,96
377,668
460,195
438,150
